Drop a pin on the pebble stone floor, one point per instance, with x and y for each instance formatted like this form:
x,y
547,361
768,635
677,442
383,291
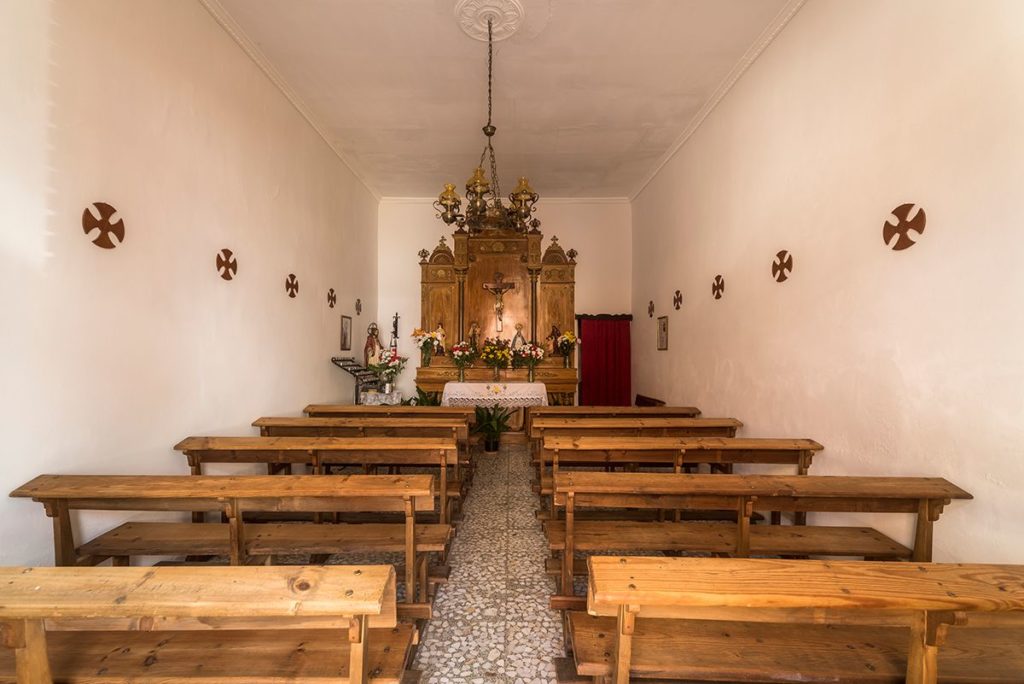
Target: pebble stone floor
x,y
491,621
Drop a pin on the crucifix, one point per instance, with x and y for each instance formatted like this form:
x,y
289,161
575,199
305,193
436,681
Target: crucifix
x,y
498,288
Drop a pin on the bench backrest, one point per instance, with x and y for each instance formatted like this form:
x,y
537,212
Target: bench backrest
x,y
371,426
467,412
610,411
544,426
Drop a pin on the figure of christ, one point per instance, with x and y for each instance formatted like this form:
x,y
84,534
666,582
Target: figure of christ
x,y
498,288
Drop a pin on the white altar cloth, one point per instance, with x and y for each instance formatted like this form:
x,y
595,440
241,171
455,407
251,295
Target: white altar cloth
x,y
508,394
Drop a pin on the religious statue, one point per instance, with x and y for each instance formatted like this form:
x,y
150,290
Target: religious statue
x,y
474,336
498,288
373,347
552,349
518,341
439,344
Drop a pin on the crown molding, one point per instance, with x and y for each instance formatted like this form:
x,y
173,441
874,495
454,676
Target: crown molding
x,y
228,23
543,200
765,39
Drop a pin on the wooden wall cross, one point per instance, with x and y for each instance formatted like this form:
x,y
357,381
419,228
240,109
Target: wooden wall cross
x,y
498,288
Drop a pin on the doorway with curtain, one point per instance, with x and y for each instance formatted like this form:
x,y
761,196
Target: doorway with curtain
x,y
604,359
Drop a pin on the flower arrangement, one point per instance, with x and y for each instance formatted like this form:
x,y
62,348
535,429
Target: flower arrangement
x,y
462,354
495,352
566,342
389,366
529,356
429,343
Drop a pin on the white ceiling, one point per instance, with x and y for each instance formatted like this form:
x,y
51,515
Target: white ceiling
x,y
590,95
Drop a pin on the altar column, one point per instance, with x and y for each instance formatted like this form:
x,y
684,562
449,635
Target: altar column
x,y
533,305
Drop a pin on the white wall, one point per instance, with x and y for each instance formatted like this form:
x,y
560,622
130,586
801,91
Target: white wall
x,y
901,363
109,357
598,229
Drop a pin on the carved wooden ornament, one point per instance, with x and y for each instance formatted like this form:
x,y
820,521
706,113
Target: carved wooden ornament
x,y
332,298
291,285
782,266
718,287
906,221
227,264
99,225
677,299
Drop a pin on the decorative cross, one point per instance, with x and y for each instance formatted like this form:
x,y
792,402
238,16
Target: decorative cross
x,y
498,288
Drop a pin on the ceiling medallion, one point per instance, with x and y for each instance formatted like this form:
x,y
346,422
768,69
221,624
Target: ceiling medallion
x,y
485,209
505,17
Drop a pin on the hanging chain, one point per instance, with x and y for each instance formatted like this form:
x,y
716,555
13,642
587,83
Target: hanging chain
x,y
495,185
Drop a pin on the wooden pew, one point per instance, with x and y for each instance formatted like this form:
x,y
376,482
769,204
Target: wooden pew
x,y
320,452
674,452
233,496
355,410
711,619
210,624
923,496
609,412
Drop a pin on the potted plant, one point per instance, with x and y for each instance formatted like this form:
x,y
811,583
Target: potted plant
x,y
491,421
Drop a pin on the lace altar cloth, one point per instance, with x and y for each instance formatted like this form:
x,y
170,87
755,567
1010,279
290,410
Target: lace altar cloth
x,y
508,394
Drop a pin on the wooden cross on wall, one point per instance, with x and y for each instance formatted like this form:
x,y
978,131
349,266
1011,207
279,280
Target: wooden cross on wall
x,y
498,288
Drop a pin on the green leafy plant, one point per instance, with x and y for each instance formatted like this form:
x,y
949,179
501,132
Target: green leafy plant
x,y
491,421
422,399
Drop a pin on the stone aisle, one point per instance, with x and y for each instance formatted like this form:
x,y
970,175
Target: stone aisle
x,y
491,620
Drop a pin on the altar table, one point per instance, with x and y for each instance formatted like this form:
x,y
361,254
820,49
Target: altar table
x,y
508,394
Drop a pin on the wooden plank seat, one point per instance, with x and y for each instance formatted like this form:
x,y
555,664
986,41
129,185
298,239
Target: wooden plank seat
x,y
722,651
352,410
609,411
232,496
169,624
714,619
925,497
214,539
321,452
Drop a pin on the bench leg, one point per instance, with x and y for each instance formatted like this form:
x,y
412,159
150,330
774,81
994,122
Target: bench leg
x,y
922,661
623,645
358,660
28,639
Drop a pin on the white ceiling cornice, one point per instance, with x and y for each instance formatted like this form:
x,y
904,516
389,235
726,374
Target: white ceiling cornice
x,y
749,57
250,48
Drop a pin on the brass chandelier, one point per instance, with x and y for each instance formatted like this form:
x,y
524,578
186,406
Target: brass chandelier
x,y
484,206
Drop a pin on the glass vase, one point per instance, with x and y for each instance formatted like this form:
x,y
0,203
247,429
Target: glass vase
x,y
462,374
425,354
497,373
567,361
529,373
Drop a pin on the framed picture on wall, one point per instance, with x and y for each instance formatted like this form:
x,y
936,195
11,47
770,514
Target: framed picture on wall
x,y
346,333
662,332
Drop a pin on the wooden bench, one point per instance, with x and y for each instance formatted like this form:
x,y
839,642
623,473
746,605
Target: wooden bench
x,y
759,620
233,496
297,624
609,412
357,410
644,400
320,452
925,497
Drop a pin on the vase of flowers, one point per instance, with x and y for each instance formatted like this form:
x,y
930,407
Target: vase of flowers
x,y
566,345
495,352
463,356
527,356
388,368
428,344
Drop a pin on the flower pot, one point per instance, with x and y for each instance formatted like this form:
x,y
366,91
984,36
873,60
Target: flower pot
x,y
491,443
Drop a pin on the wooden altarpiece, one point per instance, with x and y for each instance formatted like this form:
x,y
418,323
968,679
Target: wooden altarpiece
x,y
500,278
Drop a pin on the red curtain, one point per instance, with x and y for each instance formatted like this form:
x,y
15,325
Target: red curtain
x,y
604,361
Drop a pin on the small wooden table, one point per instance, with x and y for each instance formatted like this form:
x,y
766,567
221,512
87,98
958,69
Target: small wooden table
x,y
34,601
923,597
